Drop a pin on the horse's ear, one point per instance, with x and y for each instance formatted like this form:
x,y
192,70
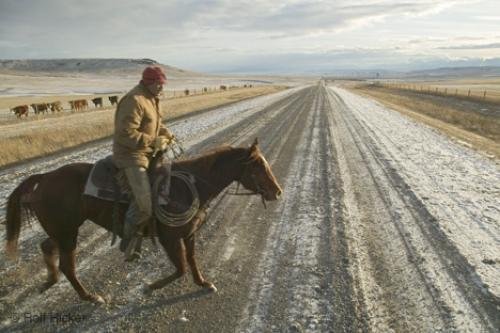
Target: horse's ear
x,y
254,144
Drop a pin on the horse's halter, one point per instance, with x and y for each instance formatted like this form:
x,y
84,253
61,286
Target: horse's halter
x,y
258,190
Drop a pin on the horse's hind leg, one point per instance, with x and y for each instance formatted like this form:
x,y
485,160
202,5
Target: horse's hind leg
x,y
198,278
50,251
176,253
67,264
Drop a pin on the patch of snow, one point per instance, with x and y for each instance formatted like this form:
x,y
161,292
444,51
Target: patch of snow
x,y
459,186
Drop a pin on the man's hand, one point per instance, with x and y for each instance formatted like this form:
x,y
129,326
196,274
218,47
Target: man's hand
x,y
170,136
160,143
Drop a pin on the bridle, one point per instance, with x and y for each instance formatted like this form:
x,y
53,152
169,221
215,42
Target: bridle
x,y
258,190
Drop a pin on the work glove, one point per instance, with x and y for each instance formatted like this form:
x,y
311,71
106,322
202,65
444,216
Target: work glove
x,y
160,143
169,135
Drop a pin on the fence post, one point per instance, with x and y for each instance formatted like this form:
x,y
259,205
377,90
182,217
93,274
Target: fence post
x,y
484,96
456,92
446,91
468,94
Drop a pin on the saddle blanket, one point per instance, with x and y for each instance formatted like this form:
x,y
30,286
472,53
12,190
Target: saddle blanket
x,y
102,182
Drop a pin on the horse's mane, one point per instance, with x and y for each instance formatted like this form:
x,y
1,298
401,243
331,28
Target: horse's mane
x,y
210,156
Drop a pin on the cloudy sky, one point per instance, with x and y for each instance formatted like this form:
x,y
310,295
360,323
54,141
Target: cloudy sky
x,y
296,36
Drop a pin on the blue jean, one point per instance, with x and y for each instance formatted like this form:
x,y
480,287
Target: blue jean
x,y
140,209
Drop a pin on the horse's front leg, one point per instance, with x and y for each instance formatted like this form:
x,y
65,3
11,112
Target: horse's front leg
x,y
67,264
198,278
177,254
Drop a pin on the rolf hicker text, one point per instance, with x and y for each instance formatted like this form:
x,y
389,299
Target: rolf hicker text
x,y
52,318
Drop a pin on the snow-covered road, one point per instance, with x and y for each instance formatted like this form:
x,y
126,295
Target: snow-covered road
x,y
425,218
459,187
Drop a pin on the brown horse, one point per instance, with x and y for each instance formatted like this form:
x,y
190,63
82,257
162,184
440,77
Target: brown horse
x,y
56,199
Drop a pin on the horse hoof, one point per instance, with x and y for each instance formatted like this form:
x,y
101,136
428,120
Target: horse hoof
x,y
147,290
97,299
211,287
46,286
133,257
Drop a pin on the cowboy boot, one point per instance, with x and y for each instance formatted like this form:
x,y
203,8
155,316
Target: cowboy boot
x,y
133,249
128,233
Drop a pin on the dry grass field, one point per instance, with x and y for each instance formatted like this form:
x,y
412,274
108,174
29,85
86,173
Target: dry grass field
x,y
23,139
476,123
480,89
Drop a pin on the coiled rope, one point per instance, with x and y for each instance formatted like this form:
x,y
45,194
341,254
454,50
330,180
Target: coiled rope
x,y
176,219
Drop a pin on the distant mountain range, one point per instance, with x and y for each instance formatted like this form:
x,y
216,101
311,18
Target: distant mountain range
x,y
436,73
133,67
481,71
86,66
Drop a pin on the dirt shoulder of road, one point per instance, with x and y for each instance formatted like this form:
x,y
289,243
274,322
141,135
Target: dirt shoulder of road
x,y
24,140
461,122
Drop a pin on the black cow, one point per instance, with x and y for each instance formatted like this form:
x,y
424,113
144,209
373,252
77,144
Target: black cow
x,y
40,107
97,102
113,100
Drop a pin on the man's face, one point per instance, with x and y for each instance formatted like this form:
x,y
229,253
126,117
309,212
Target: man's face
x,y
155,88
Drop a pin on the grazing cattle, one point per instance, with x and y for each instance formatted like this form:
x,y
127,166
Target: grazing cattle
x,y
223,87
79,104
113,100
97,102
205,89
56,106
20,110
40,107
72,105
186,92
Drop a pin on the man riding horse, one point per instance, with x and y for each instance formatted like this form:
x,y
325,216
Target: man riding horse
x,y
138,134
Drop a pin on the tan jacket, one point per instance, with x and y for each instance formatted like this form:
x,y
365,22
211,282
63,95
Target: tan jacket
x,y
137,124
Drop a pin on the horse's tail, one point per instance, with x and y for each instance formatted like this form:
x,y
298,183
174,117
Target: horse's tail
x,y
14,217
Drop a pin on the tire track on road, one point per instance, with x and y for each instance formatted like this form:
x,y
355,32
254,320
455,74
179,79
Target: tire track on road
x,y
305,285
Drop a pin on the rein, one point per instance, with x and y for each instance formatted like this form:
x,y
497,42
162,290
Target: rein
x,y
258,192
249,193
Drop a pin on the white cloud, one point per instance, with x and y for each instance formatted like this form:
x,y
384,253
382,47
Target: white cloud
x,y
472,46
217,33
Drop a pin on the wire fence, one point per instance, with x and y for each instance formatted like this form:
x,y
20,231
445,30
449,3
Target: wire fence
x,y
469,93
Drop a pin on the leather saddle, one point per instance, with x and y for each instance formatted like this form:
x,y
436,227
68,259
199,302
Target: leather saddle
x,y
109,183
104,182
